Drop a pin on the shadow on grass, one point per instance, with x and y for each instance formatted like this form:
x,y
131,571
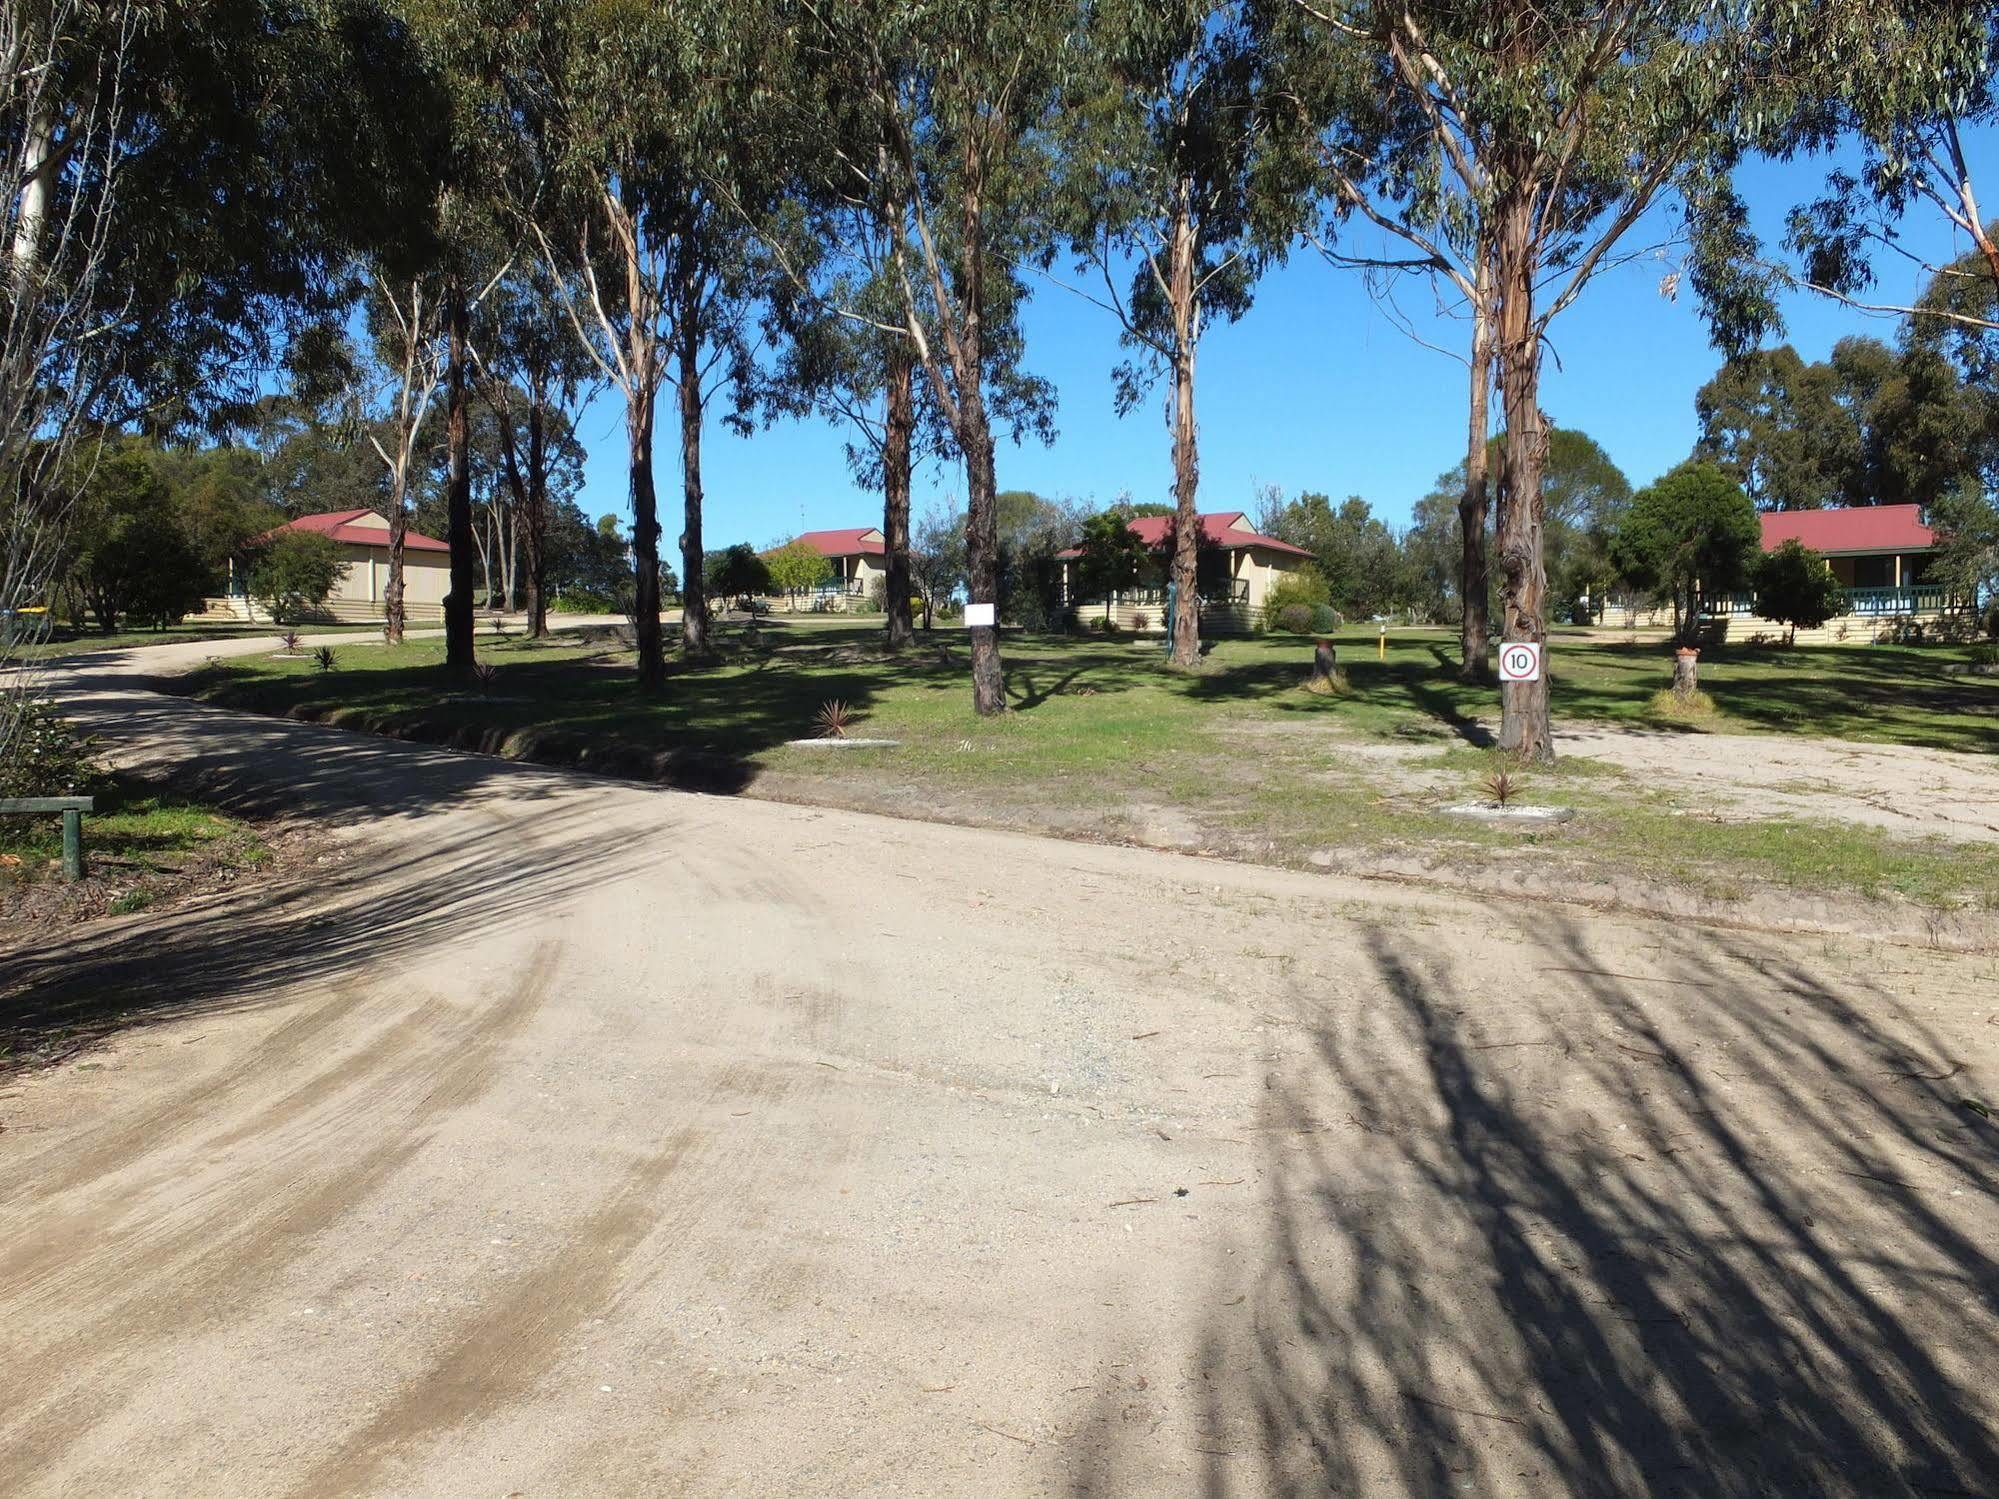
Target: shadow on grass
x,y
1718,1231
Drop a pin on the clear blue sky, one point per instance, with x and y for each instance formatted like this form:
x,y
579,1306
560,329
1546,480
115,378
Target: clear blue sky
x,y
1314,389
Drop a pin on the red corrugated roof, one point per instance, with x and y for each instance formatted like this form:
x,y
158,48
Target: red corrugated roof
x,y
1859,528
339,524
849,543
1222,529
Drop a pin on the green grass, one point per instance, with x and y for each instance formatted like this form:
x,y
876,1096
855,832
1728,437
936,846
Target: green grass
x,y
1105,740
136,830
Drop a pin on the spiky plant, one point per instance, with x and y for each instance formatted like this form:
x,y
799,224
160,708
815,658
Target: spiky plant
x,y
834,719
483,672
291,640
324,658
1502,786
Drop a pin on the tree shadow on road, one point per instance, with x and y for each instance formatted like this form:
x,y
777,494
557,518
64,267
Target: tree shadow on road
x,y
1718,1230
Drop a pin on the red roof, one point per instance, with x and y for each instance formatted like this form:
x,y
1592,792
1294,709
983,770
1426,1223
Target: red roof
x,y
1859,528
849,543
339,524
1225,529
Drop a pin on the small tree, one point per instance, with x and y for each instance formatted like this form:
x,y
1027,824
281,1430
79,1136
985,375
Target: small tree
x,y
738,570
794,567
937,559
1689,537
1112,555
1795,587
130,554
292,573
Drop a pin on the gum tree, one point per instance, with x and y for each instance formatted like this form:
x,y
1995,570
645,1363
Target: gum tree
x,y
1168,142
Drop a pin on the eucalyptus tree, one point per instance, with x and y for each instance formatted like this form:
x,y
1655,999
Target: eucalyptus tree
x,y
651,109
533,378
1906,81
1534,136
392,387
954,101
1172,165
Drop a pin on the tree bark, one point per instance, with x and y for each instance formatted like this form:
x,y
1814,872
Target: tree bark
x,y
693,597
536,527
1185,626
639,419
1474,574
1524,725
392,589
982,570
898,432
459,649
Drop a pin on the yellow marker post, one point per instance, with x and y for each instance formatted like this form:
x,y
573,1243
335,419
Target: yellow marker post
x,y
1381,645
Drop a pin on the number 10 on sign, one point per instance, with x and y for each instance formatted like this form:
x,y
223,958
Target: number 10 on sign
x,y
1520,661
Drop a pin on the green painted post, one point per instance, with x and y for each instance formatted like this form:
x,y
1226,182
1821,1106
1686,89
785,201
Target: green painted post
x,y
72,844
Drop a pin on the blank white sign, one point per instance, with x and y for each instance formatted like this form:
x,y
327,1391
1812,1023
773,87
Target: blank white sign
x,y
979,614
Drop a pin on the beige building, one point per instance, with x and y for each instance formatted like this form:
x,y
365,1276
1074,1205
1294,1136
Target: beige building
x,y
858,558
1236,569
363,536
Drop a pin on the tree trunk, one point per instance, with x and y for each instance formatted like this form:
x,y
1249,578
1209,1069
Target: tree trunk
x,y
536,527
898,431
982,569
645,542
693,598
1686,672
1474,576
1185,625
458,644
392,589
1524,725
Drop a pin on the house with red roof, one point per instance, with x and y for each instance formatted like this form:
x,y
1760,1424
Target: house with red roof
x,y
1235,569
363,537
1880,554
857,555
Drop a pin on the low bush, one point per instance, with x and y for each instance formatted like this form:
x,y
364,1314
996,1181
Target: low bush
x,y
583,601
1682,707
1985,653
1325,619
50,756
1297,618
1306,586
1140,620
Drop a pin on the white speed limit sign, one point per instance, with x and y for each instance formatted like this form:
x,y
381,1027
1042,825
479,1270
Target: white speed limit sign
x,y
1520,661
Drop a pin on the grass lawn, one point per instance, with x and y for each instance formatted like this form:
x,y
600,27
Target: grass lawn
x,y
1104,741
140,844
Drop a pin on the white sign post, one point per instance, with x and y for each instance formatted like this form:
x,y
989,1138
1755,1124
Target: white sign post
x,y
1520,661
980,614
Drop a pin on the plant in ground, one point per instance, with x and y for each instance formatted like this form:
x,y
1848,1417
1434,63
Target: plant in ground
x,y
1683,707
483,672
324,658
291,640
834,719
48,755
1502,786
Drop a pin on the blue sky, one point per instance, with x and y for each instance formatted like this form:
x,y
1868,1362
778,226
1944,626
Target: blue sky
x,y
1316,388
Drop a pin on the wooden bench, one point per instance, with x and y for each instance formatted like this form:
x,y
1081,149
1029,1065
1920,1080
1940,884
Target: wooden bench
x,y
72,809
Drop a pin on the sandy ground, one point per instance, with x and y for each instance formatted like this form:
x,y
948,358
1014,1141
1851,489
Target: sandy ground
x,y
565,1137
1918,793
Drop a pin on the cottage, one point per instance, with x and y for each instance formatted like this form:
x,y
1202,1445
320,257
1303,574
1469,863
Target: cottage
x,y
1879,553
1236,568
363,536
858,557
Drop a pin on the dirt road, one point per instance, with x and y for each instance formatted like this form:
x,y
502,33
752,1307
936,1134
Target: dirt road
x,y
563,1137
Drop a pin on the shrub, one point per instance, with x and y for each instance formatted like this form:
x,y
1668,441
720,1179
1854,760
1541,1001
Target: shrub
x,y
1325,619
1297,618
1306,586
583,601
293,572
49,755
324,658
1682,706
834,719
1985,653
1140,620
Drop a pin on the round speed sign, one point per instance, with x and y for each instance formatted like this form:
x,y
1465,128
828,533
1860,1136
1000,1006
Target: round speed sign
x,y
1520,661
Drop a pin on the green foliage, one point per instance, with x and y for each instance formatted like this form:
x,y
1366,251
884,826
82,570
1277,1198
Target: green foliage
x,y
1304,586
735,571
131,557
292,572
1689,536
1295,618
1325,619
47,755
1795,587
1112,555
795,567
1359,557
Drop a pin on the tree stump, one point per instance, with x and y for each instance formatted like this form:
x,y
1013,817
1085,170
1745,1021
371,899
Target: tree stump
x,y
1686,671
1325,676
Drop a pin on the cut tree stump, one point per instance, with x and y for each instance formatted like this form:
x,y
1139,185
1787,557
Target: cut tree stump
x,y
1686,671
